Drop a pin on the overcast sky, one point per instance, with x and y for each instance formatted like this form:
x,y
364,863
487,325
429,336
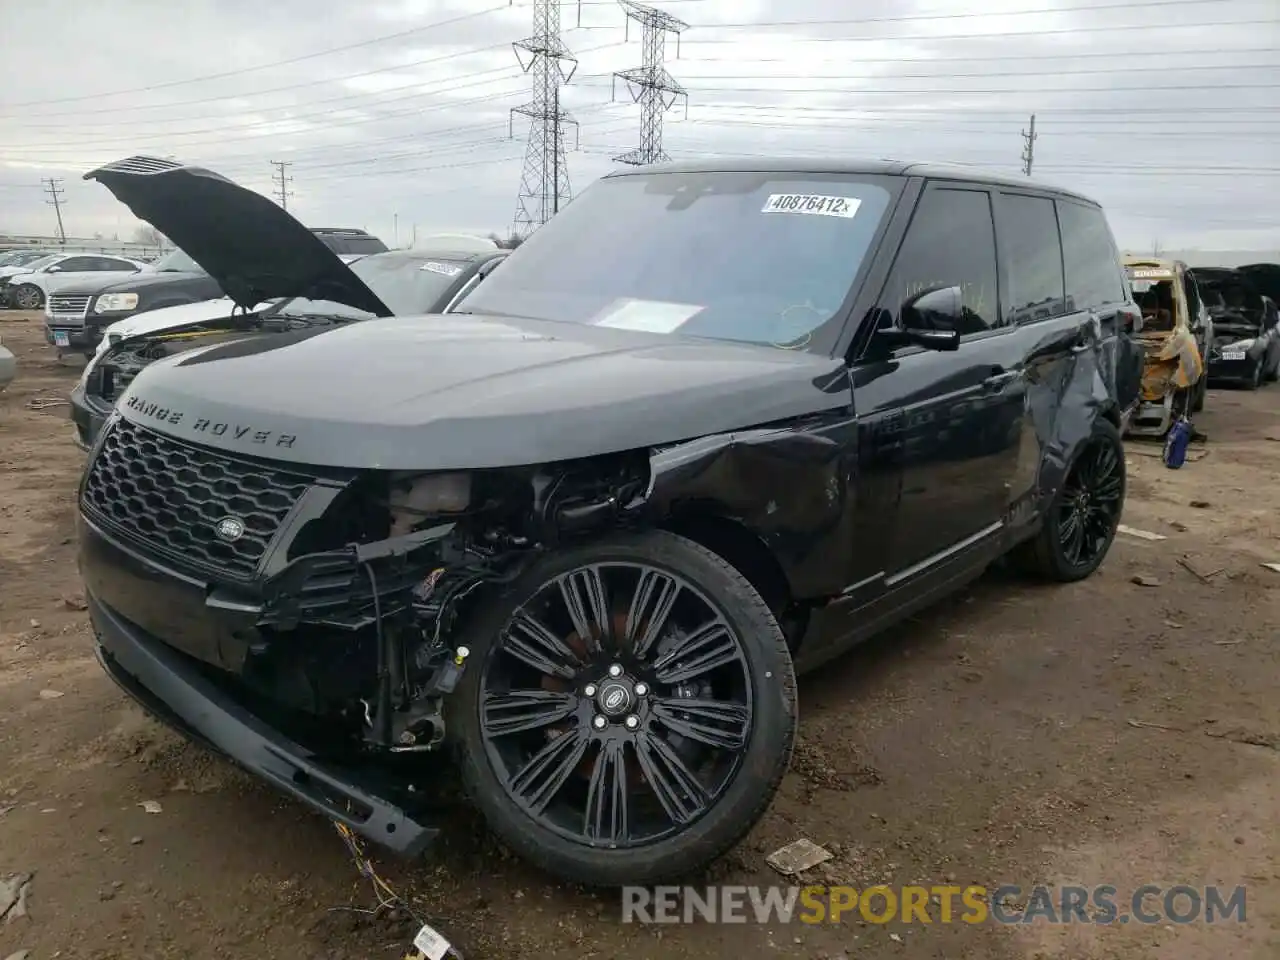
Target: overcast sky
x,y
394,113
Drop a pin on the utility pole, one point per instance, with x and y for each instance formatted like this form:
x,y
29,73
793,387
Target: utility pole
x,y
53,187
651,86
1029,147
544,181
282,182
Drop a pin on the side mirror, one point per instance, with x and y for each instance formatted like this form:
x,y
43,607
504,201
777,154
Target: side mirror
x,y
931,319
53,269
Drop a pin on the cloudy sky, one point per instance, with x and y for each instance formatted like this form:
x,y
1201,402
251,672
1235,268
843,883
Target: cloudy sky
x,y
394,113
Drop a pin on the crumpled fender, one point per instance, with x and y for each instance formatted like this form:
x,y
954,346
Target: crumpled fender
x,y
788,486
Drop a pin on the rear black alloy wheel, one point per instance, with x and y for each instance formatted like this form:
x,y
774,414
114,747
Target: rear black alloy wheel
x,y
1089,508
630,712
1082,518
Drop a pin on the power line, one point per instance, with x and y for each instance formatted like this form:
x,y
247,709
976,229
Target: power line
x,y
53,187
480,78
1029,147
282,182
429,61
544,181
973,14
650,84
982,74
1149,27
267,66
902,91
1125,55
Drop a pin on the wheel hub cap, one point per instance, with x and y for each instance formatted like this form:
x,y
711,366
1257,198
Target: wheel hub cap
x,y
616,697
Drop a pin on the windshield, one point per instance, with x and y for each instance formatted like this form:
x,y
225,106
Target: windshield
x,y
19,258
41,262
175,261
406,283
766,258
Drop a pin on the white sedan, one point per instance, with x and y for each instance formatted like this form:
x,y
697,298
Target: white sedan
x,y
29,287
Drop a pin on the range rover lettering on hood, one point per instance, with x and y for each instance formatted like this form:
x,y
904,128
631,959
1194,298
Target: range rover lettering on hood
x,y
245,241
145,409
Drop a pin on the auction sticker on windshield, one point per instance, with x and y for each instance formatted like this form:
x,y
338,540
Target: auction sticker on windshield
x,y
647,316
444,269
812,204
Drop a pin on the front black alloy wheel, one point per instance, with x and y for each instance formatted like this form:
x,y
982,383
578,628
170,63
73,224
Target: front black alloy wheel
x,y
28,297
1083,516
627,712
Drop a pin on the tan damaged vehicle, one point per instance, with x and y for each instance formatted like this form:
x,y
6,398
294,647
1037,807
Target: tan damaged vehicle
x,y
1175,337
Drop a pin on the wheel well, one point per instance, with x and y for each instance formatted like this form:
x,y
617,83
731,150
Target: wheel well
x,y
742,549
1112,414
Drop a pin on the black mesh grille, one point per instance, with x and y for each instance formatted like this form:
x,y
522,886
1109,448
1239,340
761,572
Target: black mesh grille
x,y
170,496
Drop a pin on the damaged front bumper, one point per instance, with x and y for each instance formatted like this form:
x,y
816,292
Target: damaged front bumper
x,y
171,688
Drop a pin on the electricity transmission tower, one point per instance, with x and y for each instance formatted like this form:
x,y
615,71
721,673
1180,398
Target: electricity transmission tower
x,y
1029,147
53,187
544,181
651,86
282,182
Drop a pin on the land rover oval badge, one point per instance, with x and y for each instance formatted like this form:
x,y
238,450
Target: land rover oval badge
x,y
229,529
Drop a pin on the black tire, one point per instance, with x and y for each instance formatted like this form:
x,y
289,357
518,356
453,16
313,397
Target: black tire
x,y
758,767
1274,374
1198,393
28,296
1044,556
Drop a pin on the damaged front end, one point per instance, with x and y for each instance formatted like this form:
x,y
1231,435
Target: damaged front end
x,y
316,632
311,635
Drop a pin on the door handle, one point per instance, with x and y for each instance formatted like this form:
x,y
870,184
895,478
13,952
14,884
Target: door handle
x,y
999,379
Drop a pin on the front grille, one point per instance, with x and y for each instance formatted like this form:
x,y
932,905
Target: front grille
x,y
169,496
69,306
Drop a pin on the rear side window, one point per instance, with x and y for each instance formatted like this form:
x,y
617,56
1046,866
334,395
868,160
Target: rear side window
x,y
951,242
1029,232
1090,257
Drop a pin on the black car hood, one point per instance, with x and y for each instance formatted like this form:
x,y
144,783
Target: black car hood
x,y
456,391
1265,277
248,244
143,280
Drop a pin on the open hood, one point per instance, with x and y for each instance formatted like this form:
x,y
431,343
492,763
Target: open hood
x,y
248,244
1265,277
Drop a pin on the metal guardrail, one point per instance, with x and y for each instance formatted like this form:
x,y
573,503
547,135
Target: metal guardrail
x,y
120,248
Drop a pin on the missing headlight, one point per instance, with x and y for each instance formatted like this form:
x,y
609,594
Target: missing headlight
x,y
414,497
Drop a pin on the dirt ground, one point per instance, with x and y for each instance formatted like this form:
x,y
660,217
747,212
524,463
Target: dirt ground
x,y
1103,733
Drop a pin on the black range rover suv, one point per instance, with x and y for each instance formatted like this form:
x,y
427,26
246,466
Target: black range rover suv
x,y
585,530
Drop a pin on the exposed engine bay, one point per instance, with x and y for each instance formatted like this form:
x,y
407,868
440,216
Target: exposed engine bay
x,y
126,359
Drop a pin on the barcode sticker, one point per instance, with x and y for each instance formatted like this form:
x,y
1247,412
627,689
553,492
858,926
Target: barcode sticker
x,y
812,204
444,269
430,944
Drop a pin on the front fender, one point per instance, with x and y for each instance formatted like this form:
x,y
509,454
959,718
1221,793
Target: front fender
x,y
788,486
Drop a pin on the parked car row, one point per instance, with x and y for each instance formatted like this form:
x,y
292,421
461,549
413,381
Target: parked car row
x,y
583,524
